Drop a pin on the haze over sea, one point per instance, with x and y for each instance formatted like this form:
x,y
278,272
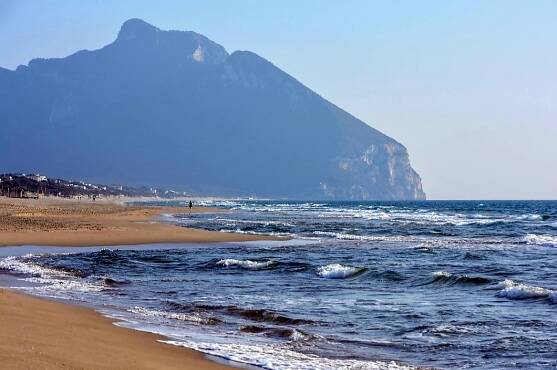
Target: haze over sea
x,y
361,285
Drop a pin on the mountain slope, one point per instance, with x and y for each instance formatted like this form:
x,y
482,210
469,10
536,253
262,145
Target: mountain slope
x,y
172,108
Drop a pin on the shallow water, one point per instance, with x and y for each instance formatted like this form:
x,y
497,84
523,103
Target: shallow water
x,y
430,284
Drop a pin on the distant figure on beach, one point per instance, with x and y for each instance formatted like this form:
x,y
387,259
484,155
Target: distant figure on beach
x,y
190,205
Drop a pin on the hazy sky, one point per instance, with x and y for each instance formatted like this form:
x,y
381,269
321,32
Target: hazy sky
x,y
469,87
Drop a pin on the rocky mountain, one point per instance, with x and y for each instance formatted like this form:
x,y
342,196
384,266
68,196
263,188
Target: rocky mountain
x,y
174,109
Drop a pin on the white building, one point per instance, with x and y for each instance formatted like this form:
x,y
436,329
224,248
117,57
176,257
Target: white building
x,y
37,177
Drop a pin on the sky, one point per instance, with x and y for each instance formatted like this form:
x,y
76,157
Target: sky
x,y
469,87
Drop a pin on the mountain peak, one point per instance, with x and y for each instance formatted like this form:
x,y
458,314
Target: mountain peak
x,y
140,35
191,114
136,28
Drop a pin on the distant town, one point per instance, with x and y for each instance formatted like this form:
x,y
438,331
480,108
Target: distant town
x,y
21,185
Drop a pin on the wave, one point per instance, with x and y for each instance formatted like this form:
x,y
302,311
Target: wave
x,y
105,257
454,279
247,264
281,357
545,240
154,259
519,291
233,221
15,265
426,242
284,333
194,318
263,315
250,232
114,283
50,279
256,315
529,217
345,236
389,275
442,330
22,265
338,271
424,217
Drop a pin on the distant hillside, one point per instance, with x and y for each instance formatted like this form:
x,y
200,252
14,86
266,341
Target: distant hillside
x,y
174,109
22,185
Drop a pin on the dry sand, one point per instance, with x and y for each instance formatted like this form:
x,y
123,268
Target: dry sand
x,y
40,334
61,222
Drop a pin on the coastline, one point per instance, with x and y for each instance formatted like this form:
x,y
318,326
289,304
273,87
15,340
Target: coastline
x,y
39,333
61,222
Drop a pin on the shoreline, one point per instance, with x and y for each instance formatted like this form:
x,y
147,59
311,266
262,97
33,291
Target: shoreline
x,y
41,333
61,222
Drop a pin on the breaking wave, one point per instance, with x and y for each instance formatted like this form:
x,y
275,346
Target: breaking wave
x,y
338,271
547,240
277,332
282,357
51,280
514,290
246,264
255,315
194,317
445,277
21,265
262,315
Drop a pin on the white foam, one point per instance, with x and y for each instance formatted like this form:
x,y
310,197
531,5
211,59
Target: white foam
x,y
442,274
547,240
338,271
278,357
344,236
16,264
505,284
514,290
49,279
530,217
247,264
195,318
299,336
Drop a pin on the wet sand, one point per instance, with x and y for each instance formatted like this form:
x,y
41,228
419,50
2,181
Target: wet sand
x,y
40,334
61,222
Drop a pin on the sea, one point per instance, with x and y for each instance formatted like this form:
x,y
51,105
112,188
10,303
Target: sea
x,y
353,285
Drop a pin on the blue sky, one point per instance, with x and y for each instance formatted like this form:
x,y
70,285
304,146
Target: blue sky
x,y
470,87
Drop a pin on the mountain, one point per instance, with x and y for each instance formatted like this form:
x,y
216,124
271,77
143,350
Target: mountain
x,y
174,109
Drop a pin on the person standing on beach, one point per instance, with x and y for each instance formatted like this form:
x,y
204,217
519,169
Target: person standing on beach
x,y
190,205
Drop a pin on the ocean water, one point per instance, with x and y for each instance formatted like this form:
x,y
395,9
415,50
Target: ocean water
x,y
362,285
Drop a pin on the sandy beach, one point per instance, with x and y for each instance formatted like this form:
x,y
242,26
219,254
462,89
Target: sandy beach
x,y
41,334
61,222
38,333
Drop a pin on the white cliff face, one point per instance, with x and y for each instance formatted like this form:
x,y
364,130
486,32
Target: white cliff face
x,y
379,172
198,55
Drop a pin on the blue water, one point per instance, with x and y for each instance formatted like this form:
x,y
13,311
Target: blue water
x,y
363,285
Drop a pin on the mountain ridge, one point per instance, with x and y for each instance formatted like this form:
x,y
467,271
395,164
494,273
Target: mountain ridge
x,y
180,105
